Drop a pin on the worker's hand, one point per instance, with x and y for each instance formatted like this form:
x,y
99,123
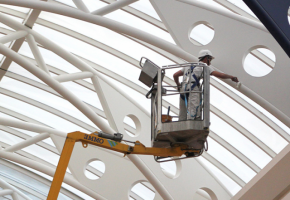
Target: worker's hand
x,y
235,79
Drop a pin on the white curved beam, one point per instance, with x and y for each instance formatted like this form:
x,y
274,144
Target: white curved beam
x,y
30,127
112,7
73,76
12,36
81,5
27,142
5,192
36,53
25,137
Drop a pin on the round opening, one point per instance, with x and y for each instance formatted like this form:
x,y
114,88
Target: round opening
x,y
205,194
95,169
171,169
132,125
259,62
201,34
142,190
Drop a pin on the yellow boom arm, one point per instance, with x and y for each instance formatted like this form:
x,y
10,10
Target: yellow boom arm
x,y
94,139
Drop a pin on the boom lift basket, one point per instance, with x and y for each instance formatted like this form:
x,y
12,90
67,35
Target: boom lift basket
x,y
189,134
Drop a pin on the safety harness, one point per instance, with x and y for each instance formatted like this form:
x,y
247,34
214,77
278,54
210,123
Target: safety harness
x,y
186,96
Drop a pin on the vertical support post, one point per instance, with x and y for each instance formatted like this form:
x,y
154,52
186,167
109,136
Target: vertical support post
x,y
159,100
153,117
61,169
206,99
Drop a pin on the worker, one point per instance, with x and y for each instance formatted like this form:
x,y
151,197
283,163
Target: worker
x,y
189,105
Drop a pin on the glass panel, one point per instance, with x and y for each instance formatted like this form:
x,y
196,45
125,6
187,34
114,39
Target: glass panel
x,y
215,4
255,67
39,115
18,8
99,57
67,2
232,186
42,153
240,142
9,138
28,194
17,69
247,120
106,36
50,58
139,98
143,191
135,22
29,182
202,34
230,161
93,5
257,106
24,179
240,4
32,134
35,150
145,7
50,99
84,94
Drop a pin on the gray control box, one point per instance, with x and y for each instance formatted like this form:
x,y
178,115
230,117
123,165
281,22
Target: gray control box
x,y
149,73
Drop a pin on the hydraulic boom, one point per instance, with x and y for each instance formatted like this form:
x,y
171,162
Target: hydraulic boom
x,y
114,143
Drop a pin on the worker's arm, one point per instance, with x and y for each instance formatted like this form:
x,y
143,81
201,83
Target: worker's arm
x,y
176,77
224,76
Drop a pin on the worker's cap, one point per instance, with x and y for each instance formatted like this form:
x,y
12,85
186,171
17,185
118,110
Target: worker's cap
x,y
204,53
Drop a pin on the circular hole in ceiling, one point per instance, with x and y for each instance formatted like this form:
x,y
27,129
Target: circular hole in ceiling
x,y
259,61
205,193
201,34
171,169
132,125
95,169
142,190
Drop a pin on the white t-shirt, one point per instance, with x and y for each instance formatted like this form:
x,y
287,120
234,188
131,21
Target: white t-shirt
x,y
197,71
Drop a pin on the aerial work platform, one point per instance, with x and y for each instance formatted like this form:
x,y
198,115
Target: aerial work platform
x,y
165,133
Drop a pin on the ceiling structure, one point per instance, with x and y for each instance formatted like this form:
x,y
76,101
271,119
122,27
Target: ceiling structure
x,y
73,65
